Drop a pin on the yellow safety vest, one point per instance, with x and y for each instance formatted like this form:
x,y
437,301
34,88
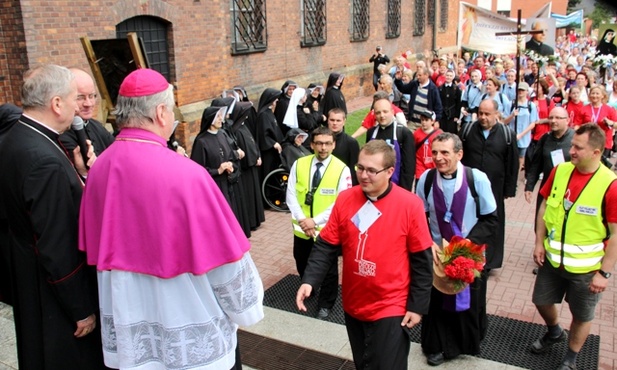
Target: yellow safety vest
x,y
324,195
575,238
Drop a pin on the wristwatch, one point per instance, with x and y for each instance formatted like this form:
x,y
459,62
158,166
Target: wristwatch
x,y
604,274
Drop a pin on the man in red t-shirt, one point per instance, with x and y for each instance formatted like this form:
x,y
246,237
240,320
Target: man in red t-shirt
x,y
382,232
576,241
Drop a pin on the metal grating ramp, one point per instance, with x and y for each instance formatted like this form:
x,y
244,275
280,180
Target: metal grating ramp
x,y
270,354
507,340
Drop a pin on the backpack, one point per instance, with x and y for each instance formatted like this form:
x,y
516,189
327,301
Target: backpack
x,y
430,177
506,131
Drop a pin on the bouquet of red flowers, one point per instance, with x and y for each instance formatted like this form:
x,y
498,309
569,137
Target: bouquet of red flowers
x,y
461,262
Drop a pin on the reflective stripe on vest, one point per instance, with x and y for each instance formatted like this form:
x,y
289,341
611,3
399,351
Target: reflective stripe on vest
x,y
325,194
582,246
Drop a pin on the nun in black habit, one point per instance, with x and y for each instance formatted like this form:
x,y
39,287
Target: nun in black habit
x,y
269,135
241,116
281,105
333,97
606,45
213,151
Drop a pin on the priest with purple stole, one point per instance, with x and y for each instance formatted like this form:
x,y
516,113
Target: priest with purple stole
x,y
174,271
458,202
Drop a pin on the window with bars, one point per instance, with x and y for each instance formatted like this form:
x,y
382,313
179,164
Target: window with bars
x,y
430,16
313,22
248,18
443,15
394,19
360,20
153,32
419,18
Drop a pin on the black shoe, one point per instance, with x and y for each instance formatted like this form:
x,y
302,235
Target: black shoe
x,y
545,343
435,359
323,313
535,271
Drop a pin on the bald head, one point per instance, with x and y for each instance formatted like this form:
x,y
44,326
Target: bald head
x,y
559,120
86,93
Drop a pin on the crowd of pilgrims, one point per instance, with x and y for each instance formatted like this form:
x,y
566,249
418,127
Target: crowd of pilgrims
x,y
242,143
253,140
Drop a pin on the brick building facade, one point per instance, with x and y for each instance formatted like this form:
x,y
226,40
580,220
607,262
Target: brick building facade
x,y
201,61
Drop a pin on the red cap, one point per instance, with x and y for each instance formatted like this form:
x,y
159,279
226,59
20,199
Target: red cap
x,y
143,82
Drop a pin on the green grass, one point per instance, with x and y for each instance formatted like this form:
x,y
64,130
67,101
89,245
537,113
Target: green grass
x,y
354,120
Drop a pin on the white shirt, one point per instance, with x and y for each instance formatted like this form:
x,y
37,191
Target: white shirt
x,y
292,200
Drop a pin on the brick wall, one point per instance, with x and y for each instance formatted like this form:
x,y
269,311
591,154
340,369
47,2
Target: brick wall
x,y
200,39
13,56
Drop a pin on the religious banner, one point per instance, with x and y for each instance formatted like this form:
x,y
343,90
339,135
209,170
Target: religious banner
x,y
541,43
477,28
574,19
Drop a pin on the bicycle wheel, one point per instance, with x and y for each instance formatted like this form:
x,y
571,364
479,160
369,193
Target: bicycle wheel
x,y
274,189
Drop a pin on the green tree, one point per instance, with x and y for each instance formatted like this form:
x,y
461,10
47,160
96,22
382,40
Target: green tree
x,y
601,13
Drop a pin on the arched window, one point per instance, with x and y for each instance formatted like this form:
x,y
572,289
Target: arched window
x,y
313,22
153,32
394,19
360,20
419,19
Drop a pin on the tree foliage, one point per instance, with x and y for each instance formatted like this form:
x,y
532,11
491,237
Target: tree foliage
x,y
602,12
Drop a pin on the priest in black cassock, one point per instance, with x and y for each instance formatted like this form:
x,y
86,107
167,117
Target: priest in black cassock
x,y
9,115
334,98
55,291
86,101
490,146
241,116
269,135
450,95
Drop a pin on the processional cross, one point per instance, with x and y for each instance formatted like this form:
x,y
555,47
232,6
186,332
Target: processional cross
x,y
519,35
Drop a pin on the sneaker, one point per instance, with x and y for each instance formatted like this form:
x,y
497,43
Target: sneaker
x,y
323,313
545,343
566,365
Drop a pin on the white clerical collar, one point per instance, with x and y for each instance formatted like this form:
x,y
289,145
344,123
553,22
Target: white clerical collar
x,y
42,124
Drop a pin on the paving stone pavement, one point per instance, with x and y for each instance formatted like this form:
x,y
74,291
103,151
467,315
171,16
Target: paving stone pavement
x,y
509,288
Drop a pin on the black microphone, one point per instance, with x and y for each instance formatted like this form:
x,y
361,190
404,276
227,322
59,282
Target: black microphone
x,y
78,127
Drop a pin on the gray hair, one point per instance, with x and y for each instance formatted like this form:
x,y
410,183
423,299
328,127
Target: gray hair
x,y
445,136
141,110
44,82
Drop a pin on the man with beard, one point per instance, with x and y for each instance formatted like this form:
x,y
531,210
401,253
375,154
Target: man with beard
x,y
94,130
491,147
399,137
346,148
314,184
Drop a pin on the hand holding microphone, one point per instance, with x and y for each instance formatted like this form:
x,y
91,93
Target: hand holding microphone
x,y
79,130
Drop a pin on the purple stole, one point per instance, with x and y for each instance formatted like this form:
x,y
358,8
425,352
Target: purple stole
x,y
450,223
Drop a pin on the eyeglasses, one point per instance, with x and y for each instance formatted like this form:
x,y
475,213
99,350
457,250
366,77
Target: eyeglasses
x,y
369,171
92,96
323,143
556,117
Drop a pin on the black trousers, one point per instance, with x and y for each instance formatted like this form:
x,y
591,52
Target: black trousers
x,y
329,286
378,345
